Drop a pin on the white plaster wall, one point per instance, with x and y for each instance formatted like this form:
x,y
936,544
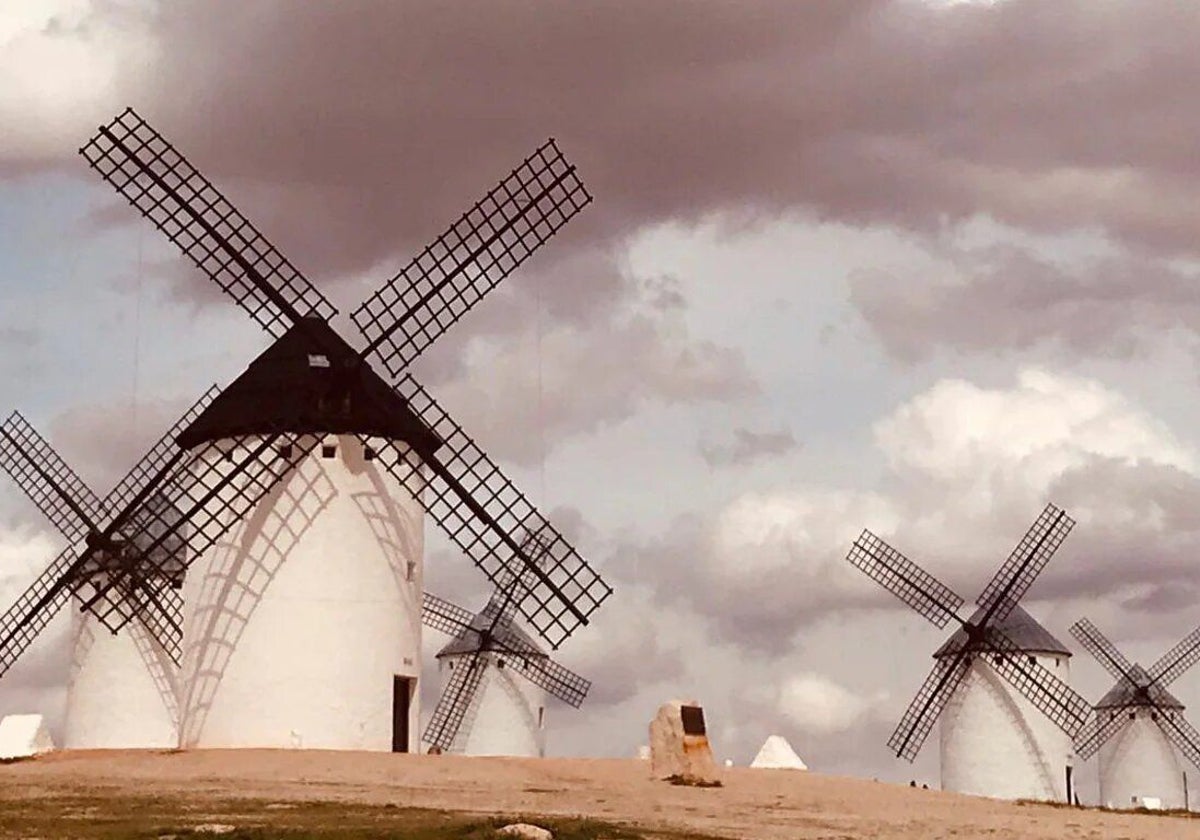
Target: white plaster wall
x,y
507,713
121,691
995,743
296,623
1138,760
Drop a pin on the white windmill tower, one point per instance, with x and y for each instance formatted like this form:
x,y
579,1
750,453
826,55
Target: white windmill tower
x,y
999,683
1139,724
121,690
302,628
496,680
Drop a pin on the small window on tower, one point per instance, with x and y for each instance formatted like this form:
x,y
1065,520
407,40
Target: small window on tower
x,y
285,451
1132,715
368,453
328,450
318,361
500,664
228,453
1032,660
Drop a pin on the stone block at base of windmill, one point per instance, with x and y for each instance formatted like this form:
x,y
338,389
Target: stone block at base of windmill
x,y
679,748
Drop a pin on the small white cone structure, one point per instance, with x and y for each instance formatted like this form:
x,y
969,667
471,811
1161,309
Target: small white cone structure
x,y
22,736
777,754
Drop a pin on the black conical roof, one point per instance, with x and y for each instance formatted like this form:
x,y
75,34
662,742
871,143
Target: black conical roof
x,y
309,381
1022,629
1125,695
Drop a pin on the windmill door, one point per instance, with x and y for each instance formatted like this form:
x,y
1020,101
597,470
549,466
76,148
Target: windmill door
x,y
402,691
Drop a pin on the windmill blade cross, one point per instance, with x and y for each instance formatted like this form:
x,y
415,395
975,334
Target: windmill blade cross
x,y
1026,562
165,188
212,489
470,258
64,488
928,596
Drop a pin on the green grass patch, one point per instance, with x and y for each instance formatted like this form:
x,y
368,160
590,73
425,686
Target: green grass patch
x,y
100,816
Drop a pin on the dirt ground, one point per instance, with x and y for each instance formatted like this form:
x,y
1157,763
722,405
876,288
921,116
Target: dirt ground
x,y
752,803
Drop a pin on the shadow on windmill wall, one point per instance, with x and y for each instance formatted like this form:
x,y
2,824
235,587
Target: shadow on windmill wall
x,y
399,541
1008,726
235,582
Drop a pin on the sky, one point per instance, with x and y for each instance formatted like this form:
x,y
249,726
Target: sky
x,y
910,266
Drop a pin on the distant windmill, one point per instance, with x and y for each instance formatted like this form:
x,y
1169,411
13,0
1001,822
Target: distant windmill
x,y
999,683
126,561
1138,722
484,709
333,623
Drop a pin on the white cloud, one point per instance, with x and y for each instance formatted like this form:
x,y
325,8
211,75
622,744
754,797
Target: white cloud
x,y
817,704
60,61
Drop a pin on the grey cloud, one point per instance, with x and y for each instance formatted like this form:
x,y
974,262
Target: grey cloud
x,y
356,132
103,441
758,600
538,385
1005,297
746,447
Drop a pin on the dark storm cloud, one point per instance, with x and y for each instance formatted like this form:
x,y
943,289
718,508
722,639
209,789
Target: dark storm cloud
x,y
746,446
1005,297
356,131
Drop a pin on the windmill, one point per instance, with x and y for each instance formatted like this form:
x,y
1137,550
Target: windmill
x,y
125,560
136,660
1138,724
309,669
999,683
484,709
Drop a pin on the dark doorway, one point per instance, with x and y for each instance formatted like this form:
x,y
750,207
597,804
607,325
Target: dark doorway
x,y
402,691
1070,788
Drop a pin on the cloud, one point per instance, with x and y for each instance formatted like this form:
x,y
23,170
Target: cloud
x,y
526,391
746,447
36,682
967,469
351,131
817,704
102,442
62,60
1007,297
